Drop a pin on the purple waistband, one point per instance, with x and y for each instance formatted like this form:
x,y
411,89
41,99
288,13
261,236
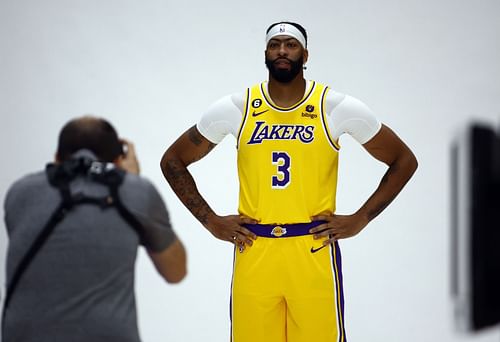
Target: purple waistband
x,y
282,230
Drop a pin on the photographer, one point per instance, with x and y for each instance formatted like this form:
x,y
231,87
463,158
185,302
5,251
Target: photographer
x,y
74,230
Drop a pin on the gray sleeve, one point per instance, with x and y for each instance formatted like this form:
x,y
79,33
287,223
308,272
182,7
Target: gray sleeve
x,y
144,201
30,191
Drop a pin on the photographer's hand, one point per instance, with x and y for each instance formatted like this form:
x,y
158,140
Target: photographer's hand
x,y
129,161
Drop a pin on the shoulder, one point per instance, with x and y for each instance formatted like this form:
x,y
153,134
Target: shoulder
x,y
30,179
230,102
138,189
29,199
348,114
32,184
222,117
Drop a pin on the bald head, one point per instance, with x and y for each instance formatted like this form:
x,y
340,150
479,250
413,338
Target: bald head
x,y
91,133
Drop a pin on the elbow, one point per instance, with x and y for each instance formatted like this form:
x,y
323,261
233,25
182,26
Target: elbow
x,y
410,164
171,263
413,163
171,165
176,277
164,162
406,163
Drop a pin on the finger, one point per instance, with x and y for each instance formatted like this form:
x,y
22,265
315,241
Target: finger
x,y
240,246
325,233
330,240
322,235
246,239
319,228
321,218
129,145
246,219
247,233
242,239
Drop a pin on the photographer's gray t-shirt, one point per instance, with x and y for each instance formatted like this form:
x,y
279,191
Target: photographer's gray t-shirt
x,y
80,285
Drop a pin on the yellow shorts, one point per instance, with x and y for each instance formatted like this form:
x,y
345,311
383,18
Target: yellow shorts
x,y
283,290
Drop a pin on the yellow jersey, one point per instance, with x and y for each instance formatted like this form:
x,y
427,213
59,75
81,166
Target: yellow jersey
x,y
287,159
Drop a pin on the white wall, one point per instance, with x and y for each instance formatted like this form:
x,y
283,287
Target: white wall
x,y
425,67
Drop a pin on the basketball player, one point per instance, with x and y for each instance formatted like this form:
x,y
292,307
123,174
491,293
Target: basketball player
x,y
287,283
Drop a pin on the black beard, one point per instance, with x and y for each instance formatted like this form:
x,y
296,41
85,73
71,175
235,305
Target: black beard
x,y
282,75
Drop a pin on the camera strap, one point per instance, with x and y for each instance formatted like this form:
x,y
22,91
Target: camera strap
x,y
60,176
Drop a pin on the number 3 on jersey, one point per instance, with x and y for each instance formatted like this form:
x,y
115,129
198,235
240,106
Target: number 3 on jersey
x,y
282,161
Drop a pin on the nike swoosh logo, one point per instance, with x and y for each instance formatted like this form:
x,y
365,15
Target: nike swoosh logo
x,y
314,250
259,113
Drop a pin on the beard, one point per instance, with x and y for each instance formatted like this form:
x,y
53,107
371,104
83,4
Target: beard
x,y
283,75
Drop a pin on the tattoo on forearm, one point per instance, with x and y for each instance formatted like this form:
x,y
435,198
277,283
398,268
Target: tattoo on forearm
x,y
184,186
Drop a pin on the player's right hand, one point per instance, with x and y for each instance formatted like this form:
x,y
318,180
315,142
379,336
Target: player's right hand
x,y
230,228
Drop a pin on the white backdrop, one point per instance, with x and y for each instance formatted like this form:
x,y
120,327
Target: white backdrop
x,y
151,67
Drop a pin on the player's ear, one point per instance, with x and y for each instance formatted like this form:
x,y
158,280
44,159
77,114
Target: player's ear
x,y
305,55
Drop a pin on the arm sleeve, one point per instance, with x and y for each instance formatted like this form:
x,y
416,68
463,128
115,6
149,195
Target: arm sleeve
x,y
222,118
146,204
346,114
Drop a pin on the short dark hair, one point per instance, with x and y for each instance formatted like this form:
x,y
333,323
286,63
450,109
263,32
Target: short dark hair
x,y
91,133
297,26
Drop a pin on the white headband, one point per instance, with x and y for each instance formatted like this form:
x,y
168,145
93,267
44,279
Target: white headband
x,y
286,30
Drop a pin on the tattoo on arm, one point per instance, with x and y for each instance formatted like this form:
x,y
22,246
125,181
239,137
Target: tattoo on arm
x,y
184,186
196,138
180,179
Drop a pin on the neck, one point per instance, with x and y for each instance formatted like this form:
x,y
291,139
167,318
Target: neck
x,y
287,94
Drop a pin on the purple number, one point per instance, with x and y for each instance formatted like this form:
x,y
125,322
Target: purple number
x,y
282,161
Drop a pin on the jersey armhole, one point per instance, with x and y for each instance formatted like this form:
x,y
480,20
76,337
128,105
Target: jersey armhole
x,y
335,145
244,118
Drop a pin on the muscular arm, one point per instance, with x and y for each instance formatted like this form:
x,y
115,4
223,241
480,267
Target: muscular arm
x,y
190,147
388,148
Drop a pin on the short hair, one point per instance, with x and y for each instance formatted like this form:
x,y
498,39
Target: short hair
x,y
297,26
91,133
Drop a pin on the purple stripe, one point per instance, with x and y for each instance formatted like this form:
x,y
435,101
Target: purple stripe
x,y
270,102
323,121
338,267
231,299
244,119
292,229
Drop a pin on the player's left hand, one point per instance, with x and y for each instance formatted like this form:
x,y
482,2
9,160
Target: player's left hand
x,y
337,227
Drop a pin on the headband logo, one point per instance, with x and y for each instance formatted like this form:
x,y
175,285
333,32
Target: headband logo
x,y
282,28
